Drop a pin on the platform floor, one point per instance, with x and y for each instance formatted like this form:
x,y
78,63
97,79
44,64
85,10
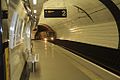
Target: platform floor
x,y
54,64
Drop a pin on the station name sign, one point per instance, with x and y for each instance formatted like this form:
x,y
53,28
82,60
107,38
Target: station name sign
x,y
55,13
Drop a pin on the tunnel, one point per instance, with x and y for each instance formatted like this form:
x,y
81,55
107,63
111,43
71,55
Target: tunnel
x,y
43,31
60,40
91,28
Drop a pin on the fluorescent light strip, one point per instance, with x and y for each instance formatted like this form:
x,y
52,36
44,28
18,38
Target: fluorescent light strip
x,y
34,2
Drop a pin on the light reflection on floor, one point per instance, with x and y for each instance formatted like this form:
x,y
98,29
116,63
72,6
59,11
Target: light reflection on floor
x,y
53,64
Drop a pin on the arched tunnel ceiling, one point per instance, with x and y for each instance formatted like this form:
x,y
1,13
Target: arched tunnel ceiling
x,y
78,25
95,9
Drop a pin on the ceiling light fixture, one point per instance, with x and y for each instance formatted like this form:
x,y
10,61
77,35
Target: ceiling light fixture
x,y
34,2
35,11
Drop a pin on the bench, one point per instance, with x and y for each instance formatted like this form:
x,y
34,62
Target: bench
x,y
33,58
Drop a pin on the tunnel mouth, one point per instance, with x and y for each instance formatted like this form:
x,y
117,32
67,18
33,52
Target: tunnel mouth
x,y
44,32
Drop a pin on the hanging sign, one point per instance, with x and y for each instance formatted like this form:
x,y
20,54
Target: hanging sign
x,y
55,13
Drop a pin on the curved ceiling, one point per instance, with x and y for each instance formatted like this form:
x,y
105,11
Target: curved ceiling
x,y
94,26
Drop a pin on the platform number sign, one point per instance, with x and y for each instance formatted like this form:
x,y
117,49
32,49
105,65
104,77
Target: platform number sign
x,y
55,13
63,13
